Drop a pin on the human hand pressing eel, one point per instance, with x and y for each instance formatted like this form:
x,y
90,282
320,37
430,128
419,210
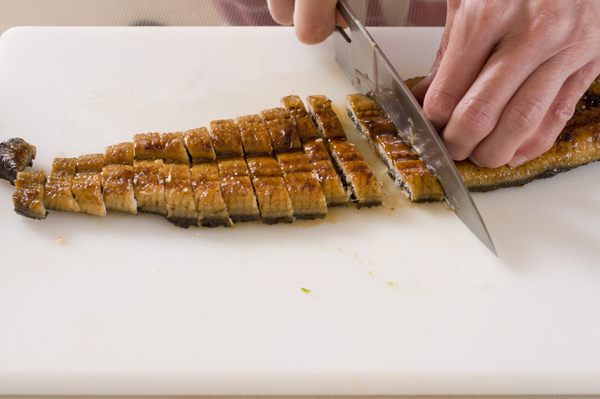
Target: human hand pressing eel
x,y
507,77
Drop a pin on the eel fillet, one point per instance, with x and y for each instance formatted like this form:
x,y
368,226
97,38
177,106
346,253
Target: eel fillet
x,y
28,197
577,145
57,194
269,186
236,186
117,178
409,172
314,148
302,183
15,155
355,173
87,185
204,177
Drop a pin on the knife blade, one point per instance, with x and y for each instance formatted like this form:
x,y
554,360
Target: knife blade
x,y
371,73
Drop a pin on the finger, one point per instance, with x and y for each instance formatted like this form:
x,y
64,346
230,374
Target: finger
x,y
511,64
470,44
282,11
314,20
522,116
420,89
340,21
560,111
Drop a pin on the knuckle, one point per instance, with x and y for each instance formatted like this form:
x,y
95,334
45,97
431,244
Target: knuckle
x,y
549,18
562,112
477,117
525,115
546,140
440,104
490,159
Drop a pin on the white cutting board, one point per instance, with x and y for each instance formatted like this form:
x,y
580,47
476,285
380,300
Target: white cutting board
x,y
403,298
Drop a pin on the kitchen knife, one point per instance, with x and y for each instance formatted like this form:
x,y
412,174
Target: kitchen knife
x,y
371,73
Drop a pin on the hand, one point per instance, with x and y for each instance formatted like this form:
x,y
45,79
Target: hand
x,y
314,20
509,74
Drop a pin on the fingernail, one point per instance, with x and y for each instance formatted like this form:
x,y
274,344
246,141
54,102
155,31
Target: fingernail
x,y
473,160
517,160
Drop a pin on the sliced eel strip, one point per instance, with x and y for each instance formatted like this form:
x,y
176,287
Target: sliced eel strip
x,y
270,188
267,179
255,136
305,192
148,146
409,172
206,189
236,186
226,138
174,150
575,146
57,194
354,171
15,155
181,207
332,186
87,185
149,186
237,190
284,135
300,117
28,197
117,178
199,145
205,181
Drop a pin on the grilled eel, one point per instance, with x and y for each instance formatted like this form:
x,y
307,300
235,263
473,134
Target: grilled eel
x,y
269,186
236,186
314,148
355,173
409,172
15,155
577,144
305,192
206,186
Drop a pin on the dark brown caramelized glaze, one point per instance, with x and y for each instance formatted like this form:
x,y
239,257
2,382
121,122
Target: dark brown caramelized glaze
x,y
255,136
28,197
199,145
15,155
284,134
148,146
408,171
226,138
353,170
119,154
328,124
299,115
